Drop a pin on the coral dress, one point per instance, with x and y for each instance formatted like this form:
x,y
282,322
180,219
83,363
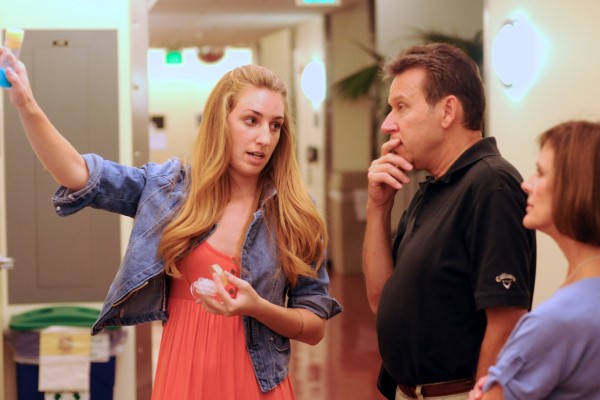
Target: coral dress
x,y
204,355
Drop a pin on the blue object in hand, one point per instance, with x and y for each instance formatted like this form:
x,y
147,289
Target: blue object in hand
x,y
3,81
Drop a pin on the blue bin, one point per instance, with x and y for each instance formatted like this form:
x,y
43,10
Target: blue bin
x,y
23,338
102,381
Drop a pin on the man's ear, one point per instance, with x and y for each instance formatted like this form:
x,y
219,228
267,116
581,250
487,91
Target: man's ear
x,y
451,109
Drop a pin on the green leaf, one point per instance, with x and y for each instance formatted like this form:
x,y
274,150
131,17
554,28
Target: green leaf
x,y
358,84
376,56
473,47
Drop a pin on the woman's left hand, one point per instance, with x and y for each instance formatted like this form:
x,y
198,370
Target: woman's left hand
x,y
477,392
297,323
244,303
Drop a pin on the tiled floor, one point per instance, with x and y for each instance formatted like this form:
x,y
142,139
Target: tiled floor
x,y
346,363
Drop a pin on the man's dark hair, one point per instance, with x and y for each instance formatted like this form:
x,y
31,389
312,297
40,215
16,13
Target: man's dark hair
x,y
449,71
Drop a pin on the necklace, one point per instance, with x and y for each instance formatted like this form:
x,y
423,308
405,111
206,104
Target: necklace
x,y
581,264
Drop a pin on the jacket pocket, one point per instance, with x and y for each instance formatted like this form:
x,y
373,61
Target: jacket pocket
x,y
280,343
128,295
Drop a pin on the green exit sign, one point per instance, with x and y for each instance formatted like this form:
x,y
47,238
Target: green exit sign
x,y
173,57
318,2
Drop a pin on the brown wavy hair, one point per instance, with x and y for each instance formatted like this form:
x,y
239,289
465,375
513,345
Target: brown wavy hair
x,y
576,182
301,235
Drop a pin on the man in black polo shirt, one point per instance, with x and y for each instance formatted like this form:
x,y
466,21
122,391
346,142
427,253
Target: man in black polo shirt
x,y
449,288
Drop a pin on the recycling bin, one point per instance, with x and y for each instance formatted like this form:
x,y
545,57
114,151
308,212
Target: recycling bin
x,y
23,337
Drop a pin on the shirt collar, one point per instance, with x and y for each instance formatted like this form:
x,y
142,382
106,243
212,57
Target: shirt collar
x,y
484,148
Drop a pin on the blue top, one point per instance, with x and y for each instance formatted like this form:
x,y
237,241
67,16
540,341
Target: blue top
x,y
139,292
554,351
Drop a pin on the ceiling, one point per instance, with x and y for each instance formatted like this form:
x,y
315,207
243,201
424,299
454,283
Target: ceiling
x,y
197,23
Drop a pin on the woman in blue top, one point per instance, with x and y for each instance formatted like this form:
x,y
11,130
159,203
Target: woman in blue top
x,y
241,195
554,351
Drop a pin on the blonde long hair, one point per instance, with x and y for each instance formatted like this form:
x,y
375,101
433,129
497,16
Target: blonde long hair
x,y
300,231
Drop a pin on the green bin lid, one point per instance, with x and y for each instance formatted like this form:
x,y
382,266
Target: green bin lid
x,y
50,316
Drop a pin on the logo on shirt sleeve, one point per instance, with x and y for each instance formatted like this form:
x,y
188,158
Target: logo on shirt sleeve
x,y
506,279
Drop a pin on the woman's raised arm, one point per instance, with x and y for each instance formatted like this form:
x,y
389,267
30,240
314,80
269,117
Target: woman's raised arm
x,y
58,156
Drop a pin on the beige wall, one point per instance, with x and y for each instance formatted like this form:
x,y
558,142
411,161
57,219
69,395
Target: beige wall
x,y
396,21
309,45
275,51
566,88
351,121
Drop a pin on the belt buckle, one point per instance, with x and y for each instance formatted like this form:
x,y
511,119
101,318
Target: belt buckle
x,y
409,391
437,389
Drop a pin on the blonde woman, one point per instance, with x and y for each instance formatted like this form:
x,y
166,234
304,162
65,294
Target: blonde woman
x,y
239,204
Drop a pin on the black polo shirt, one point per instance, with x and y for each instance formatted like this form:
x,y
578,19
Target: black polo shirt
x,y
460,247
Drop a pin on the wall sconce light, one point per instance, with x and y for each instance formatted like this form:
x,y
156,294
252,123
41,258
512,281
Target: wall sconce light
x,y
313,82
518,53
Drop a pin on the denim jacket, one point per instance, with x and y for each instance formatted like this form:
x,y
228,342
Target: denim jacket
x,y
139,291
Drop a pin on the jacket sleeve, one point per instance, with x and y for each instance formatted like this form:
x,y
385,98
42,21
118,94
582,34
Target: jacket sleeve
x,y
111,187
313,294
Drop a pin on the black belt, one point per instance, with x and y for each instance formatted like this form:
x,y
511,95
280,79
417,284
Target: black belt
x,y
438,389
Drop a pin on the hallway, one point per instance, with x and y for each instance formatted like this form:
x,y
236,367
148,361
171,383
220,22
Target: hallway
x,y
346,363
